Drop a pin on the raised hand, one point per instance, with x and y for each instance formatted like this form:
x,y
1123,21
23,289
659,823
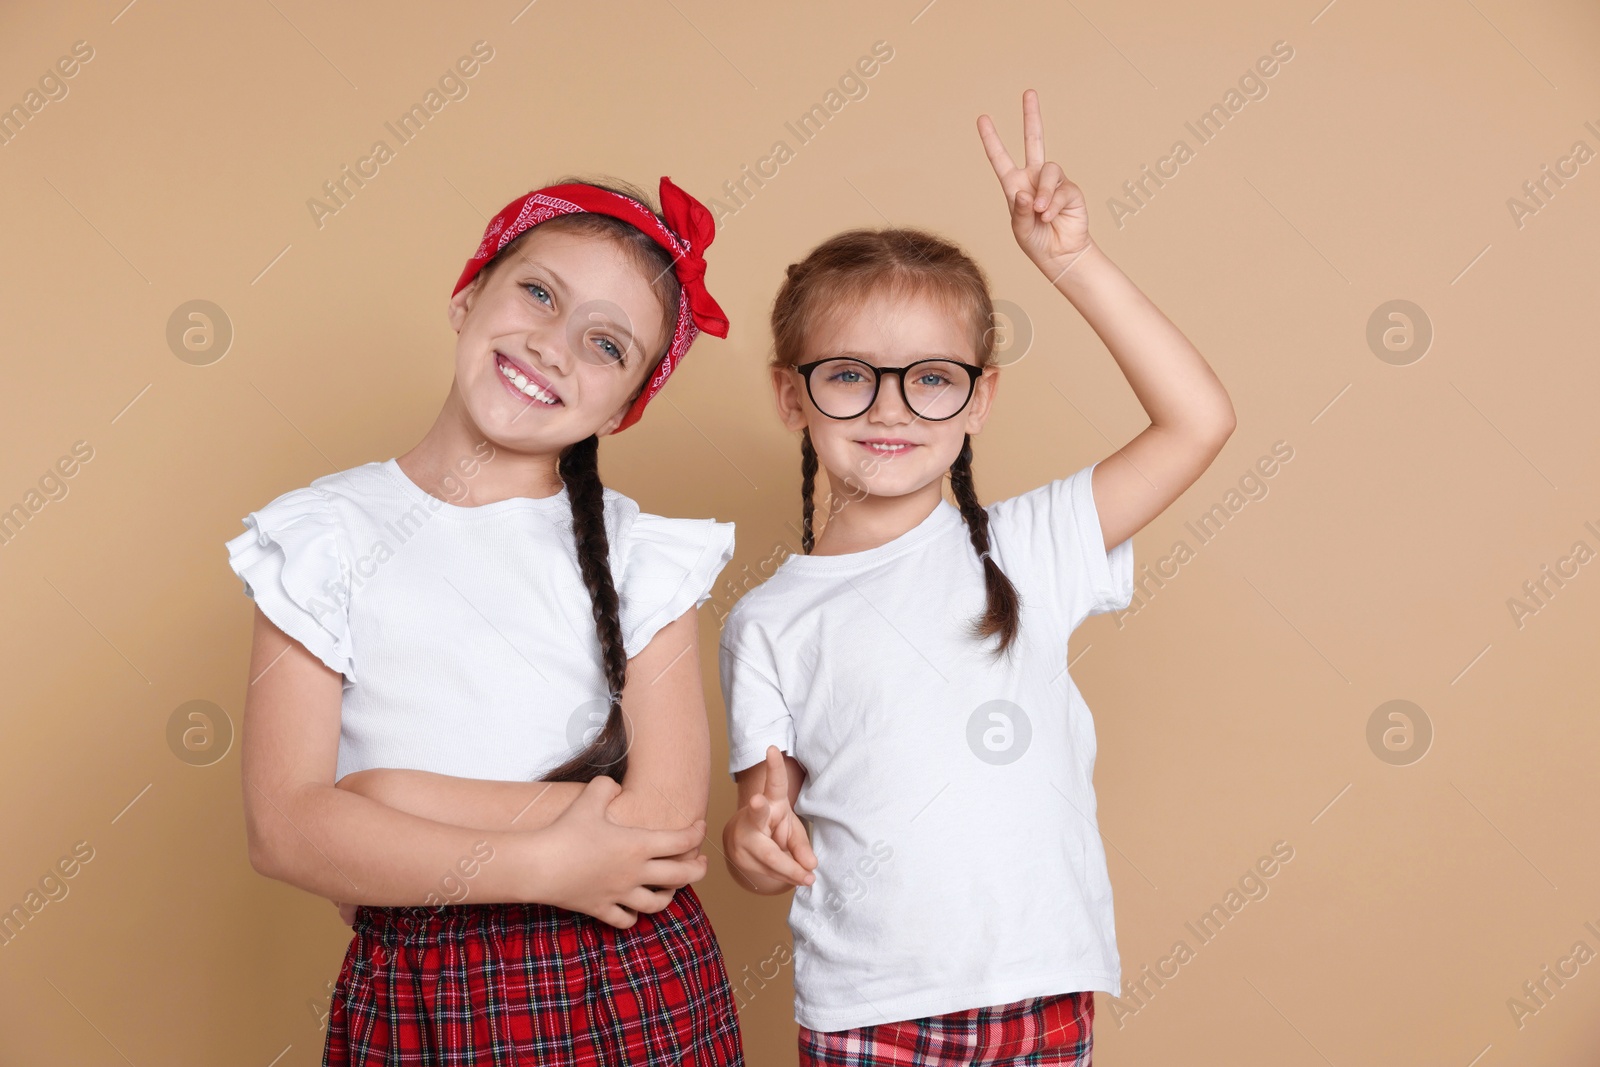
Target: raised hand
x,y
1049,215
765,840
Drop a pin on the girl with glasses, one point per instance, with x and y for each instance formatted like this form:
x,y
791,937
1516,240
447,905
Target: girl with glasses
x,y
913,759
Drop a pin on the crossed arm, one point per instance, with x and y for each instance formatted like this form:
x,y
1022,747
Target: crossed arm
x,y
596,848
669,760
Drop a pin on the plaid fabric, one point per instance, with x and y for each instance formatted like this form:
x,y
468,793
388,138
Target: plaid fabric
x,y
494,984
1043,1030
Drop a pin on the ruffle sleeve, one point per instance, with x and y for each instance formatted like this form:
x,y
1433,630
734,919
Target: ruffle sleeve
x,y
292,564
669,567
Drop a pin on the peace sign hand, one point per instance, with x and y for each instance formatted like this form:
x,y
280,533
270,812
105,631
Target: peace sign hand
x,y
1049,216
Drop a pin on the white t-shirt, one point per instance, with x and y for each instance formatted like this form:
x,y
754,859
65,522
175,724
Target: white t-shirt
x,y
950,795
465,634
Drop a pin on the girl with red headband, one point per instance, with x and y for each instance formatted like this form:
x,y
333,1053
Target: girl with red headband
x,y
475,710
913,758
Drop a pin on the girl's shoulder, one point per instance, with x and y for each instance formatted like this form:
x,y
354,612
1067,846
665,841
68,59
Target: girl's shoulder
x,y
662,565
366,489
1050,539
340,496
293,560
770,601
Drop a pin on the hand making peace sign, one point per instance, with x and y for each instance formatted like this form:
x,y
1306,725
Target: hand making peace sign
x,y
1048,213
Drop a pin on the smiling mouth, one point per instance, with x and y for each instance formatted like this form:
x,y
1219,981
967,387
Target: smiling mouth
x,y
885,448
522,384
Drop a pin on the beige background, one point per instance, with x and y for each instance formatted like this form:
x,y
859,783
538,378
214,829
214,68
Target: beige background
x,y
1232,710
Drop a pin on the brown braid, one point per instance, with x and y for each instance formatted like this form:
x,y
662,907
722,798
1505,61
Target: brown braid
x,y
808,485
1004,610
608,753
835,278
579,467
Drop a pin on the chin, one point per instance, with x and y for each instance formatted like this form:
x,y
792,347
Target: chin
x,y
889,484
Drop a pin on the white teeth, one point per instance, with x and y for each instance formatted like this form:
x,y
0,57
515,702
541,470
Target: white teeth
x,y
527,387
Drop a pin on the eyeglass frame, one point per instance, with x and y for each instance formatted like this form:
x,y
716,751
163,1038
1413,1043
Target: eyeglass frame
x,y
974,372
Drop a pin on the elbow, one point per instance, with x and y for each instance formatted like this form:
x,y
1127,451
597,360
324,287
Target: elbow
x,y
1220,435
268,827
1212,434
658,803
1224,421
357,782
263,849
1218,425
1207,432
651,808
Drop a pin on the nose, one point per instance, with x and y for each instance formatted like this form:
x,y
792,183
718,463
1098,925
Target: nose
x,y
890,403
546,345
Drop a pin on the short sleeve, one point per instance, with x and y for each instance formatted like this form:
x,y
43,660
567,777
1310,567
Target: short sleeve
x,y
757,713
292,564
669,566
1057,529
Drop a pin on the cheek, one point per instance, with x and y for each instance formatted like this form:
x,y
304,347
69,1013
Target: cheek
x,y
605,386
833,441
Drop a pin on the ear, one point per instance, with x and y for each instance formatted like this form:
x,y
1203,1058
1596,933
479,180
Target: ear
x,y
786,390
615,420
983,392
461,302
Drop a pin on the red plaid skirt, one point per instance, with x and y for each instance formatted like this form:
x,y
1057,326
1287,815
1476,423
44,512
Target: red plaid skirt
x,y
1055,1031
531,984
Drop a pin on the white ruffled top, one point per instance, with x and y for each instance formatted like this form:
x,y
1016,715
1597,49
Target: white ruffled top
x,y
465,635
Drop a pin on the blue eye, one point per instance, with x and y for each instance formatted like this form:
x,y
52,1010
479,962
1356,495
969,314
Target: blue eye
x,y
610,347
539,292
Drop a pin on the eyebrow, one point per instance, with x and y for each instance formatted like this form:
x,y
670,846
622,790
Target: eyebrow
x,y
867,357
617,327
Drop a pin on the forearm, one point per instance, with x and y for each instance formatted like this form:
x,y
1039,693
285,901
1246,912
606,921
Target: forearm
x,y
480,803
347,847
509,805
1174,384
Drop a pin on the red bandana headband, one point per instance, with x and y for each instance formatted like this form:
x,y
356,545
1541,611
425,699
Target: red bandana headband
x,y
684,229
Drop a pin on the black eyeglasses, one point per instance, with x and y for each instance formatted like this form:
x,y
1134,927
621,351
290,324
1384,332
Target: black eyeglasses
x,y
934,389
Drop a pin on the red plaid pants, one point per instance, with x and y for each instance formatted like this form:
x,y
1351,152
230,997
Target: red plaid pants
x,y
1055,1031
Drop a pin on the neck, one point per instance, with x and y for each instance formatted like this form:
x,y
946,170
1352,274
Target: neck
x,y
858,521
456,461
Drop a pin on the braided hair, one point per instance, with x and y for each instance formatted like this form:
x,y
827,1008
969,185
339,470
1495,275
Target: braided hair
x,y
579,467
608,753
841,273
